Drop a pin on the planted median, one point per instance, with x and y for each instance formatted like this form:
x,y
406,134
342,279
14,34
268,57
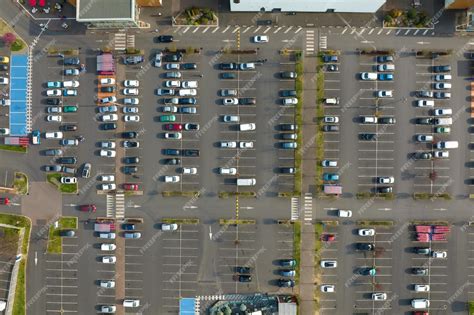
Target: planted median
x,y
55,179
54,236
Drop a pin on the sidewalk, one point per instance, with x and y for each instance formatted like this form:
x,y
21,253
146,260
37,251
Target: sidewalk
x,y
308,164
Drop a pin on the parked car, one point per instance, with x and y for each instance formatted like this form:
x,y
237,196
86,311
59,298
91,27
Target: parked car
x,y
74,61
444,68
108,109
288,75
133,60
169,227
165,38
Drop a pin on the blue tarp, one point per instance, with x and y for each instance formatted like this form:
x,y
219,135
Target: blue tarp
x,y
18,94
186,306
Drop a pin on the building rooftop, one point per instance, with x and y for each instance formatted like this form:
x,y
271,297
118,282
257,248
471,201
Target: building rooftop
x,y
105,10
307,5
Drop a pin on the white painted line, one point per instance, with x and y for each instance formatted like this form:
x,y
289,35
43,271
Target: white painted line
x,y
247,29
225,30
407,32
370,32
186,29
299,29
269,28
345,30
215,30
256,30
236,29
206,29
288,29
379,32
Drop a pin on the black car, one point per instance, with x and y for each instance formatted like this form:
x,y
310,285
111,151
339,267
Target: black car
x,y
228,75
174,152
133,60
445,68
330,58
288,93
365,246
188,66
131,160
53,101
287,170
387,120
228,66
3,68
52,168
424,121
130,144
286,283
191,126
174,57
71,61
330,128
367,136
420,271
108,126
187,101
288,127
130,169
423,156
129,135
422,250
67,160
248,101
107,89
288,75
332,68
191,152
384,190
68,127
67,233
244,270
172,161
165,39
245,278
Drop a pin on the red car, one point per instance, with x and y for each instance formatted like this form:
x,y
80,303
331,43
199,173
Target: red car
x,y
328,237
88,208
420,313
130,186
173,127
4,201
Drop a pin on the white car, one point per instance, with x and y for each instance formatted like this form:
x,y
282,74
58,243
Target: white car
x,y
4,81
442,86
169,227
107,153
171,179
4,131
131,118
386,180
73,84
131,101
109,117
108,186
173,135
131,303
439,254
379,296
328,288
68,180
443,77
331,119
110,236
261,39
110,99
130,109
385,93
344,213
228,144
172,84
55,92
371,76
107,178
424,138
109,259
108,309
3,305
107,247
328,264
107,284
107,81
107,144
246,145
53,135
422,288
67,142
441,154
131,83
425,103
157,61
54,118
230,101
189,170
132,91
227,171
169,109
189,84
443,112
366,232
290,101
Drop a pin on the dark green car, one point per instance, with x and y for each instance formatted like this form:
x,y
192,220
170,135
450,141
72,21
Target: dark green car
x,y
167,118
70,109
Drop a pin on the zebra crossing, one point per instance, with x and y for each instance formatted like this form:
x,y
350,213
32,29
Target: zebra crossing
x,y
119,206
244,29
309,42
120,41
323,42
110,206
308,208
295,211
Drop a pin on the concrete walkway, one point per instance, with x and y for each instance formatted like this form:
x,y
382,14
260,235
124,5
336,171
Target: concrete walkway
x,y
308,166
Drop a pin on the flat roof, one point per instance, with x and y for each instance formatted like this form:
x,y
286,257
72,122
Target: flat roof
x,y
363,6
105,10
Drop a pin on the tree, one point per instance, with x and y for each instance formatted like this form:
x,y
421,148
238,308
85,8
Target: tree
x,y
411,14
395,13
388,19
8,38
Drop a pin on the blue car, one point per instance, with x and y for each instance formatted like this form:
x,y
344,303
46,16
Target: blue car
x,y
330,177
385,58
54,84
385,76
330,58
128,227
35,137
287,272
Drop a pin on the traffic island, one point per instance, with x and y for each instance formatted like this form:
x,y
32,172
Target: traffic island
x,y
20,183
55,179
319,125
299,122
191,194
180,221
244,194
17,291
13,148
427,196
236,221
387,223
54,239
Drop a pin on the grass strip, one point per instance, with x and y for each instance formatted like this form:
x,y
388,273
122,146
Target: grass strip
x,y
236,222
227,194
298,121
471,307
180,221
55,179
427,196
54,235
319,125
439,222
297,248
180,193
13,148
20,183
375,223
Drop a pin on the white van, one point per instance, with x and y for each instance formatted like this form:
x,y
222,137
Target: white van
x,y
445,121
246,181
420,303
247,127
368,119
131,303
447,145
187,92
331,101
